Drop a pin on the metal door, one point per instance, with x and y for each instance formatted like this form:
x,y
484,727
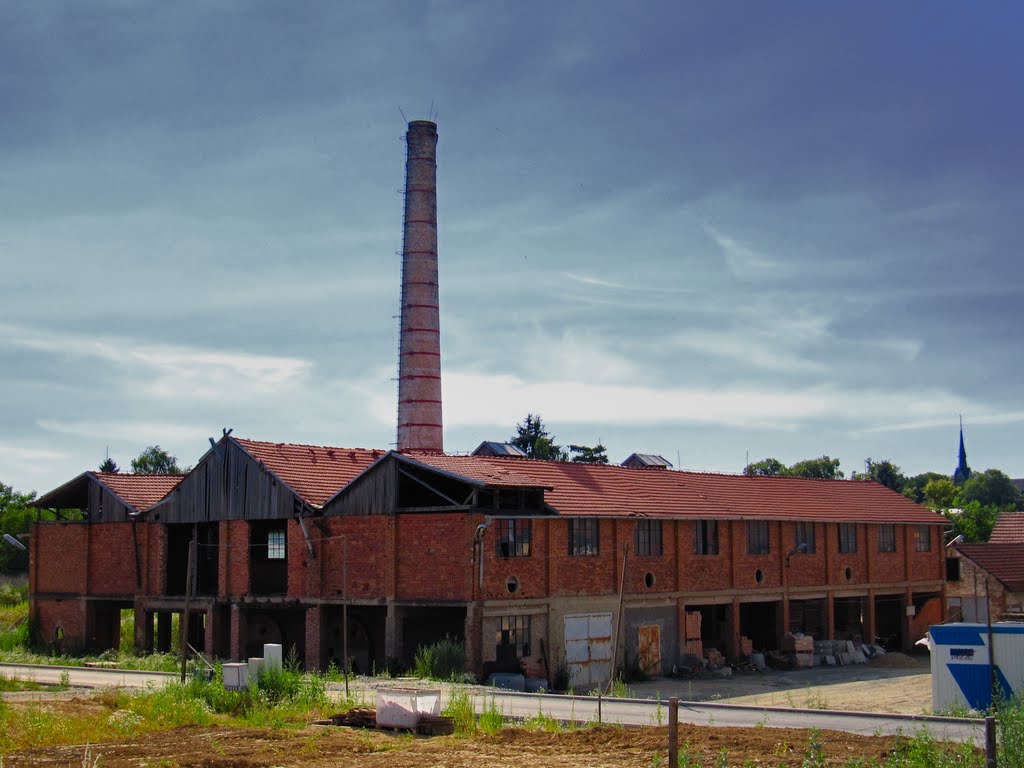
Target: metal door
x,y
588,648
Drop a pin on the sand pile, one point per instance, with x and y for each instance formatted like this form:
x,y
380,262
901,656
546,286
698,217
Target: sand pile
x,y
897,660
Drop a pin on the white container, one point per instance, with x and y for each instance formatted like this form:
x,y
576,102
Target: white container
x,y
272,656
961,675
255,664
402,707
236,676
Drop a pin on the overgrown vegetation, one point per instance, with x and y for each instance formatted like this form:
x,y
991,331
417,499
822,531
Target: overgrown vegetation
x,y
443,660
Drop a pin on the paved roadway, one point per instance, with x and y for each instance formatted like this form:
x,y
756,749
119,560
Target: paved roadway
x,y
584,708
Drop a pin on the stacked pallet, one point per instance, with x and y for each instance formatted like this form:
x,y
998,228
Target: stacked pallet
x,y
801,647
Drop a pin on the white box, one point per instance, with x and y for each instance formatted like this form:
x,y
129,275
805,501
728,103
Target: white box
x,y
255,663
272,656
236,676
402,707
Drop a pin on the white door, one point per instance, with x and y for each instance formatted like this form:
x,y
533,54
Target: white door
x,y
588,648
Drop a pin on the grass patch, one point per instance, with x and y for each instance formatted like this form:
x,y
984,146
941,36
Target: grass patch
x,y
443,660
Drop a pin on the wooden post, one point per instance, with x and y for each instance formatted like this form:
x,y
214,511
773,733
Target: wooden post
x,y
618,618
990,742
344,608
183,624
673,732
993,683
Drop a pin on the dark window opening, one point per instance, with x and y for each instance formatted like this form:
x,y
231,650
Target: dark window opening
x,y
268,559
887,537
705,541
513,538
647,538
848,538
952,569
805,537
583,538
758,542
513,638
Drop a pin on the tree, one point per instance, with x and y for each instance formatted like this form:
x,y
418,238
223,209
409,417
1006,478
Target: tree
x,y
584,454
974,521
16,516
156,461
765,468
535,441
940,493
108,465
885,473
822,468
990,487
913,489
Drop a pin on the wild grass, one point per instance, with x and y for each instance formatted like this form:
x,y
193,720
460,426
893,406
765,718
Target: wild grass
x,y
460,709
443,660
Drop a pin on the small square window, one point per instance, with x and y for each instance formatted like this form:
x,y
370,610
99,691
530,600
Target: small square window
x,y
847,538
512,639
275,545
512,538
758,542
805,537
887,537
705,537
583,538
922,538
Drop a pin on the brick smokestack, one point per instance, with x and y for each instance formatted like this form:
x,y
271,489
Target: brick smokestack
x,y
419,360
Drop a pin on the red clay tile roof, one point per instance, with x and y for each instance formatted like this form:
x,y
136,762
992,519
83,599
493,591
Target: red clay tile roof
x,y
589,489
1004,562
1009,529
139,491
314,472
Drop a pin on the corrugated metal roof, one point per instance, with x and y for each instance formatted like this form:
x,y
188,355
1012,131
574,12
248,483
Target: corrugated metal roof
x,y
646,460
314,472
1005,562
1009,529
492,448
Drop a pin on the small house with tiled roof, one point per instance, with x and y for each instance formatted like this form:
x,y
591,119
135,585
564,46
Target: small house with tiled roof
x,y
989,581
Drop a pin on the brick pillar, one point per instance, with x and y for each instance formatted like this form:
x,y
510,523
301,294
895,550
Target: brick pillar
x,y
733,644
209,639
908,641
314,637
869,618
474,637
392,633
830,617
784,621
237,633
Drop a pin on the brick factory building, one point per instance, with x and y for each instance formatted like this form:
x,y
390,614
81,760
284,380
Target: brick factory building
x,y
550,565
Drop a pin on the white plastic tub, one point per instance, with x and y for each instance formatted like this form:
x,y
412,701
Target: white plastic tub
x,y
402,707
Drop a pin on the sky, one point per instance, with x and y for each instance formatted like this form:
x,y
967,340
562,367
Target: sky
x,y
713,231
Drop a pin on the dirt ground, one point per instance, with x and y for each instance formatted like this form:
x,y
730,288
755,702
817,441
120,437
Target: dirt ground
x,y
320,747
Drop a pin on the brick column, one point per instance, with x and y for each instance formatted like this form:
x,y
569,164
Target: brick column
x,y
314,637
209,638
869,618
830,617
237,633
733,644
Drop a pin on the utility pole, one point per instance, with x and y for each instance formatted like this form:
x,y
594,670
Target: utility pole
x,y
344,608
183,624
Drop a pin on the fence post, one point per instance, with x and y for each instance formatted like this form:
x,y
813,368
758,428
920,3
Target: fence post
x,y
673,732
990,742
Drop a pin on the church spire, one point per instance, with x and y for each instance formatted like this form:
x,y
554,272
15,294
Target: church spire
x,y
963,472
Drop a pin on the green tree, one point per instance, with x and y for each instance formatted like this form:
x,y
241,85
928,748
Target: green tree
x,y
990,487
584,454
884,472
156,461
16,516
535,441
974,521
913,489
822,468
940,493
108,465
768,467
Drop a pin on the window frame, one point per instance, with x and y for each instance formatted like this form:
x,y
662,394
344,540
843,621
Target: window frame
x,y
847,538
584,539
805,534
277,550
513,537
886,538
705,537
513,632
922,538
647,538
759,537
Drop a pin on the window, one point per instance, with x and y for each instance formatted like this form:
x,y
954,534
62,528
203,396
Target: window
x,y
705,539
757,537
887,537
275,545
583,536
805,537
648,537
513,538
952,569
513,637
922,538
848,538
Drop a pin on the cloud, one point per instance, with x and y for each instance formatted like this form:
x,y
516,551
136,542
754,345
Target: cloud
x,y
744,262
134,431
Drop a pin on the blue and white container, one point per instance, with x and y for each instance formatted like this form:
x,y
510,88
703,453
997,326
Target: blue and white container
x,y
961,675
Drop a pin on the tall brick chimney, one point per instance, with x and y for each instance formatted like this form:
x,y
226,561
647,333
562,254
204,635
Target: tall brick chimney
x,y
419,360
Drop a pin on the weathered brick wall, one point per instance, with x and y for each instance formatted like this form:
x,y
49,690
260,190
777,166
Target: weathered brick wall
x,y
703,573
887,567
112,559
747,565
370,545
662,568
839,562
806,569
530,572
234,539
587,575
68,615
434,554
925,566
60,551
156,559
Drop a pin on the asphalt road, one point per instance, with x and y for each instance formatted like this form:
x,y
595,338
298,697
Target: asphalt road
x,y
585,708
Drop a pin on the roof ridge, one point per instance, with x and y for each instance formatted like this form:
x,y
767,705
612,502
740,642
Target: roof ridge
x,y
309,445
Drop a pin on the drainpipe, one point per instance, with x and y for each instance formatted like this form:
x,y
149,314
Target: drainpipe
x,y
478,546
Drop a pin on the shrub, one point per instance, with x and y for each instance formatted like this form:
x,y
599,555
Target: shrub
x,y
443,660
